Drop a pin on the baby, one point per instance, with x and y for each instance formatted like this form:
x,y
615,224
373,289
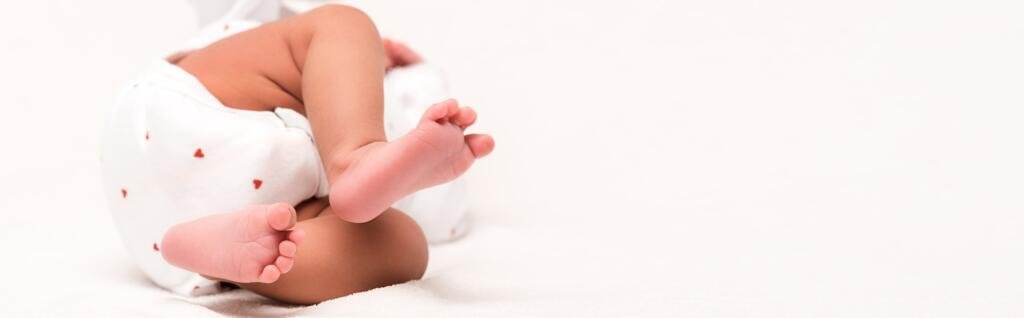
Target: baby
x,y
210,158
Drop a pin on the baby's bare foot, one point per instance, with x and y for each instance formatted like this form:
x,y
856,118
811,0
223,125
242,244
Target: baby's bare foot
x,y
435,152
254,244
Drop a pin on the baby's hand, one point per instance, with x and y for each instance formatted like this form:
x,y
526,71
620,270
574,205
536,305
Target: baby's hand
x,y
399,54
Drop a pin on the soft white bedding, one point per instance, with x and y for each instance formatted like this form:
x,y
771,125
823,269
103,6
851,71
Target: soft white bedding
x,y
655,158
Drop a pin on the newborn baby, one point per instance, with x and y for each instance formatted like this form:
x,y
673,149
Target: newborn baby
x,y
212,152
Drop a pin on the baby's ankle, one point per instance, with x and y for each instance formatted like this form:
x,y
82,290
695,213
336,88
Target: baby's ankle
x,y
344,158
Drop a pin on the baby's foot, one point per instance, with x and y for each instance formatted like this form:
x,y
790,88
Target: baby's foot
x,y
435,152
254,244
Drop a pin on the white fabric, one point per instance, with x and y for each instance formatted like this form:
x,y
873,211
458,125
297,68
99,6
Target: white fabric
x,y
211,11
172,153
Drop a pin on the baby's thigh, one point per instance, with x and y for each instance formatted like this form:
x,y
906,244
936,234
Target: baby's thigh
x,y
311,208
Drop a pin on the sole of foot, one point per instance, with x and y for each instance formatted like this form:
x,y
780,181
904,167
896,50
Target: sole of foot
x,y
254,244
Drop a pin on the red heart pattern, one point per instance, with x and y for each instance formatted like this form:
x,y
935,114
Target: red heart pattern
x,y
256,184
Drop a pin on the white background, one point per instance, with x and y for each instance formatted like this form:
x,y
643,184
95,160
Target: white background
x,y
654,158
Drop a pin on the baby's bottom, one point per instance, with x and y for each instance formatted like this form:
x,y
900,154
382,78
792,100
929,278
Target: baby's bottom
x,y
338,258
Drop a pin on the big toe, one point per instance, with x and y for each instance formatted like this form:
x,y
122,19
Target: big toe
x,y
281,216
480,144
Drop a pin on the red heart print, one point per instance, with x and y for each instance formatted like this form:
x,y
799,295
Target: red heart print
x,y
156,248
124,193
199,153
257,183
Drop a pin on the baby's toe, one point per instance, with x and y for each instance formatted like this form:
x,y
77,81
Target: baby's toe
x,y
465,117
284,264
297,236
281,216
480,144
287,248
441,110
270,274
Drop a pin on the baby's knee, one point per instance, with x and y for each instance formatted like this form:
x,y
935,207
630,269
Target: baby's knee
x,y
339,15
343,258
396,252
408,247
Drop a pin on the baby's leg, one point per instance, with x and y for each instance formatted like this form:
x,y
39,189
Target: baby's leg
x,y
329,64
338,258
304,257
342,76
